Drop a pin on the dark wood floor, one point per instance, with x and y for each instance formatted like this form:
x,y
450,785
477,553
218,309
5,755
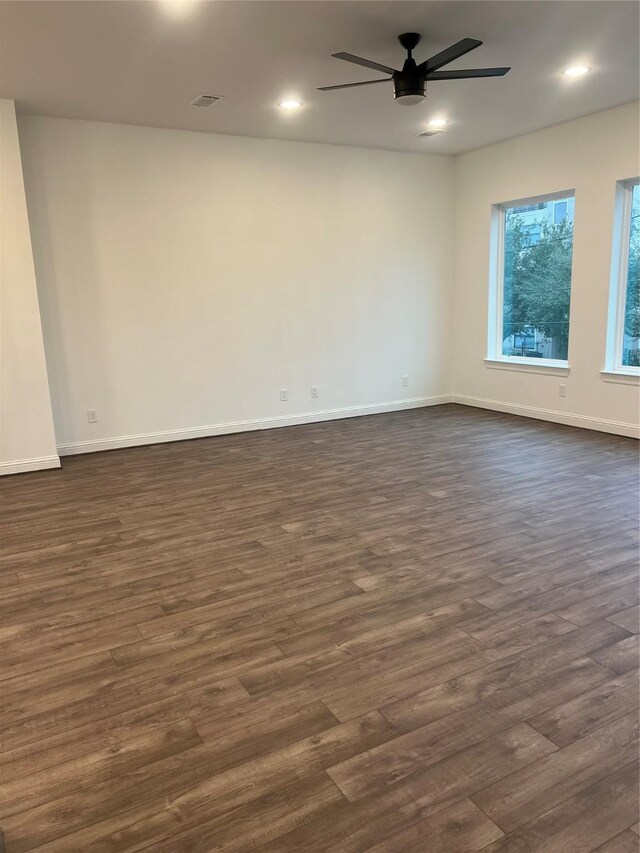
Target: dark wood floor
x,y
407,632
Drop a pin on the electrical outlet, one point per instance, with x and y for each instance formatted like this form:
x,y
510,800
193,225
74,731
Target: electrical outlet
x,y
92,416
314,391
562,390
405,381
284,395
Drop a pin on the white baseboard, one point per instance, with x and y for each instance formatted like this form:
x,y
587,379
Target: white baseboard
x,y
115,443
582,421
21,466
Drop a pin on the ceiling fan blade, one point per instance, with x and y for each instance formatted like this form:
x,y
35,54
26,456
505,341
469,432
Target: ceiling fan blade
x,y
446,56
465,73
350,85
367,63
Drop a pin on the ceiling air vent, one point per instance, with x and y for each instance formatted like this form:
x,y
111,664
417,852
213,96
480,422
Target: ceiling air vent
x,y
204,100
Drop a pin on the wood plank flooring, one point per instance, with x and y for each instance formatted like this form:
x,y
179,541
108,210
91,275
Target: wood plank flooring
x,y
408,632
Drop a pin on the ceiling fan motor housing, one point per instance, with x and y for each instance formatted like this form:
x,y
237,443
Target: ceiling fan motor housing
x,y
409,88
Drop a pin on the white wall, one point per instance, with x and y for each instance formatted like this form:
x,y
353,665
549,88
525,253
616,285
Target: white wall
x,y
588,155
27,439
185,278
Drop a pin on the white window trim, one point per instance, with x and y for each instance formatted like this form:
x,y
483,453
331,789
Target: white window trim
x,y
495,358
614,370
529,365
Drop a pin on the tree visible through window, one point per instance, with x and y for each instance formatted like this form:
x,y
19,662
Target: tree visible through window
x,y
631,337
536,287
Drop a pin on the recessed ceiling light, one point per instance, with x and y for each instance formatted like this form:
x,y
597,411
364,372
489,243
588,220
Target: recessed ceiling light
x,y
179,8
576,70
438,122
290,105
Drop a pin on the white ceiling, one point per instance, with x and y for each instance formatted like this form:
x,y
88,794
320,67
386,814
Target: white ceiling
x,y
143,61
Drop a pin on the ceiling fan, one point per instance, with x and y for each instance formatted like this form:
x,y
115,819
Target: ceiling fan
x,y
409,85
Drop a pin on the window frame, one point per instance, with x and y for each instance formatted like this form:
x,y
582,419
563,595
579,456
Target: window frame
x,y
614,369
495,357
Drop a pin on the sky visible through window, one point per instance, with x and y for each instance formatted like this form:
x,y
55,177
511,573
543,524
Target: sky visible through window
x,y
538,248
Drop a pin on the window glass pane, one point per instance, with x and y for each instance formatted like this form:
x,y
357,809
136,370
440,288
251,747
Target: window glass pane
x,y
631,338
538,246
560,211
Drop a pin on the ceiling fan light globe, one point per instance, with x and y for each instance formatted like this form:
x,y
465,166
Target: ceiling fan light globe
x,y
410,99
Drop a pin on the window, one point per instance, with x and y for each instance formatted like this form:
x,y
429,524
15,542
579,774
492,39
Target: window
x,y
532,247
623,339
531,234
560,212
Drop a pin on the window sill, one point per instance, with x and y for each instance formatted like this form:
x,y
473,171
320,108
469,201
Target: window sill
x,y
621,376
529,365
